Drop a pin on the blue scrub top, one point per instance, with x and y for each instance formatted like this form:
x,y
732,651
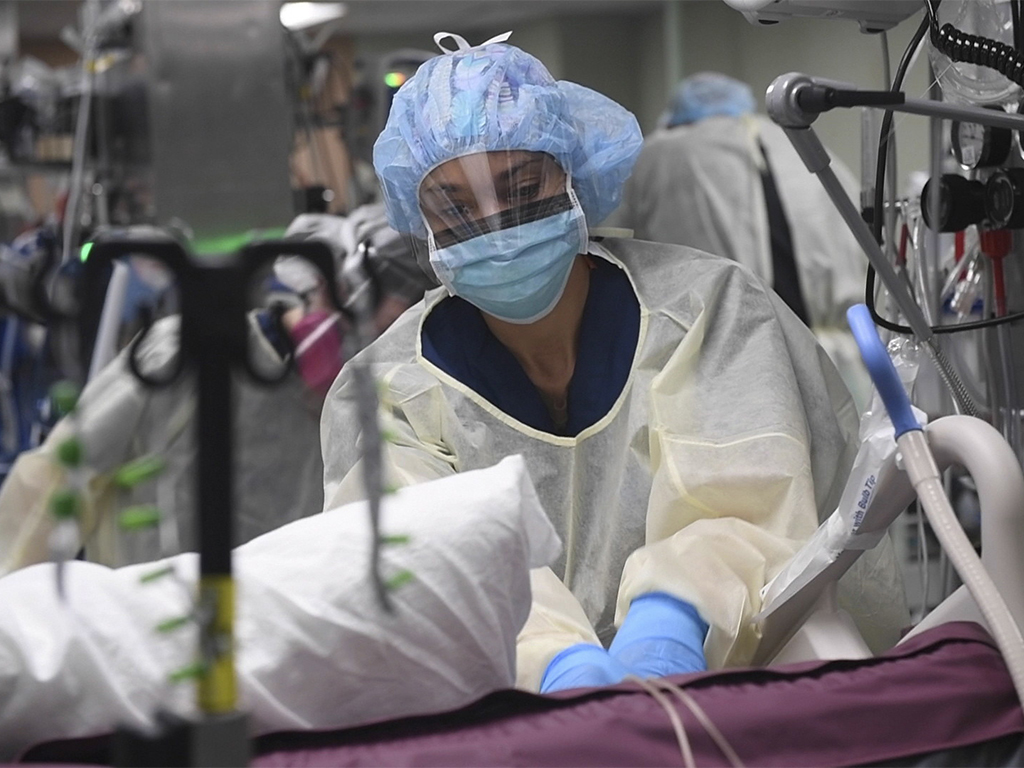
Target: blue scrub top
x,y
457,340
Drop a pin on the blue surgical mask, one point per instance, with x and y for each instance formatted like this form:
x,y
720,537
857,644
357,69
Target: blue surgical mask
x,y
518,273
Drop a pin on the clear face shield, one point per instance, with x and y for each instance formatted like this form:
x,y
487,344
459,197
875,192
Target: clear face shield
x,y
503,231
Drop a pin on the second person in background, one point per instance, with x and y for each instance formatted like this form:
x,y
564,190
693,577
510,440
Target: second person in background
x,y
720,178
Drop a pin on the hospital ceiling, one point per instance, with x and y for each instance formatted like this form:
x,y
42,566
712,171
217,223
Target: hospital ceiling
x,y
375,16
45,18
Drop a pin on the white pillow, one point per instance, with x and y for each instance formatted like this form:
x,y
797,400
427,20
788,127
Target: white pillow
x,y
315,650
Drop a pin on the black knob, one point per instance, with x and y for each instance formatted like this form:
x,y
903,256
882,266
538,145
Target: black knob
x,y
961,203
1004,198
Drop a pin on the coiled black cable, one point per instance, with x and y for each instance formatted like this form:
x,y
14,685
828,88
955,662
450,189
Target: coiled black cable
x,y
974,49
930,20
880,163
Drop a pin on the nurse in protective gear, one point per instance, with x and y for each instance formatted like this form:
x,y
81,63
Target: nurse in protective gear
x,y
682,428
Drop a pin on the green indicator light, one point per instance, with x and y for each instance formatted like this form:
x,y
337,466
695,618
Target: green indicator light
x,y
65,396
394,79
83,254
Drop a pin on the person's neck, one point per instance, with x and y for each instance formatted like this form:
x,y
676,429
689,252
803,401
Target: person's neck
x,y
547,348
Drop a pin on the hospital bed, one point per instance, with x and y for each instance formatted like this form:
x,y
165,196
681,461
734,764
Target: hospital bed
x,y
942,696
808,625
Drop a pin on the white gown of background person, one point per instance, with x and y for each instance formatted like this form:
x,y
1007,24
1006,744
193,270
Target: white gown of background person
x,y
699,184
277,462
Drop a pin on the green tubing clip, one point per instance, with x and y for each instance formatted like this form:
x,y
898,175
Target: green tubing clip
x,y
139,471
191,672
69,453
152,576
140,516
400,579
172,624
396,539
65,504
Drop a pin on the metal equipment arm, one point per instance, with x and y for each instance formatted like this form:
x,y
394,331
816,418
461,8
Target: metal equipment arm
x,y
794,101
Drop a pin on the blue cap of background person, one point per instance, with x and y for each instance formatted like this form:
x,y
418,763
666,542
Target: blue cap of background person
x,y
708,94
494,97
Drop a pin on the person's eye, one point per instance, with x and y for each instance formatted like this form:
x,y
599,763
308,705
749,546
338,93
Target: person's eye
x,y
458,211
525,193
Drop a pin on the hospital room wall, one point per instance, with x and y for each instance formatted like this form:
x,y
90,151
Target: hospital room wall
x,y
628,57
618,54
714,36
608,52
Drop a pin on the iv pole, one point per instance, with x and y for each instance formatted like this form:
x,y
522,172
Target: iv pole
x,y
214,344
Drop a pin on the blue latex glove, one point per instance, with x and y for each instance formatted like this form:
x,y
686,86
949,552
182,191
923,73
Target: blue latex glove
x,y
582,666
661,635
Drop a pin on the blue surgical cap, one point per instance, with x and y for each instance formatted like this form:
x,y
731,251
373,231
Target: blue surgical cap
x,y
497,97
708,94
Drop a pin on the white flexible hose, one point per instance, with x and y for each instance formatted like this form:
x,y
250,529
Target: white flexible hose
x,y
105,348
924,475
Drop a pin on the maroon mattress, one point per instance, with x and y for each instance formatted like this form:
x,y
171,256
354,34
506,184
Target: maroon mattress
x,y
946,689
